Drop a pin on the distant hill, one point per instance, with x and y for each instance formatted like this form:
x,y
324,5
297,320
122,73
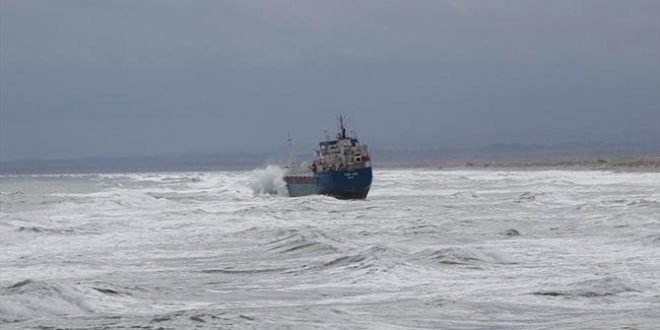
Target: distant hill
x,y
528,151
502,154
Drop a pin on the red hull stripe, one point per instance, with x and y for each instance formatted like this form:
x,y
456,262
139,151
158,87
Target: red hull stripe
x,y
299,179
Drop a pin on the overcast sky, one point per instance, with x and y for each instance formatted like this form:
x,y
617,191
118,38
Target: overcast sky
x,y
88,78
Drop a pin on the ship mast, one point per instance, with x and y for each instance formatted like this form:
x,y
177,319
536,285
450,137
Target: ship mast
x,y
292,160
342,129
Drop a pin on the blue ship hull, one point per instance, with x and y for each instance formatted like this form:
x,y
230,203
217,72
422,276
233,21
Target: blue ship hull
x,y
344,184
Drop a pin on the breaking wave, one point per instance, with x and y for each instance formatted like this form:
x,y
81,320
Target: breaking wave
x,y
29,298
269,180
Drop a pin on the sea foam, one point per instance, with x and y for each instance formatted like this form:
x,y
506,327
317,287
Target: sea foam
x,y
269,180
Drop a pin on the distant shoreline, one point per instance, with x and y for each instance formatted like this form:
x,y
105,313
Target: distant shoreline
x,y
643,163
620,156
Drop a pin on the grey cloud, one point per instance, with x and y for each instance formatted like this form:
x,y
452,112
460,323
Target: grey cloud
x,y
147,77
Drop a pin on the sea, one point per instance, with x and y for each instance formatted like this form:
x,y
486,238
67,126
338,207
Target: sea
x,y
428,249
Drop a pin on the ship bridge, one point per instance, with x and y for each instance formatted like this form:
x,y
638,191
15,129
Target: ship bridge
x,y
334,143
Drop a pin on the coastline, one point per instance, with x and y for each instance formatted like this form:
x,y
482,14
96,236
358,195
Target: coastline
x,y
637,163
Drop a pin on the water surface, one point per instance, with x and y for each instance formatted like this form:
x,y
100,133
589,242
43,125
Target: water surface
x,y
427,250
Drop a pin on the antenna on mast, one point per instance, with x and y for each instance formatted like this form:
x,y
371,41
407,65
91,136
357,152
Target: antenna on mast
x,y
342,129
291,158
355,135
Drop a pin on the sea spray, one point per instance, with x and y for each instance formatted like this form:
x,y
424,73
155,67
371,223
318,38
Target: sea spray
x,y
269,180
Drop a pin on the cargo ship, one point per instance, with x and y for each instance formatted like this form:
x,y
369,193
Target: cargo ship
x,y
342,169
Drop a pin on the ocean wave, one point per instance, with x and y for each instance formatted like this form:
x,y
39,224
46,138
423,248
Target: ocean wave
x,y
40,229
653,239
29,299
510,232
417,229
599,287
645,202
183,198
300,244
526,197
369,258
464,195
350,260
12,195
231,271
458,255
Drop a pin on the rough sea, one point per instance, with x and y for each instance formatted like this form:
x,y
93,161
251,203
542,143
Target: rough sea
x,y
428,249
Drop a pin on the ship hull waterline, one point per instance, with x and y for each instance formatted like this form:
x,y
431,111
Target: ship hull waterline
x,y
346,184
